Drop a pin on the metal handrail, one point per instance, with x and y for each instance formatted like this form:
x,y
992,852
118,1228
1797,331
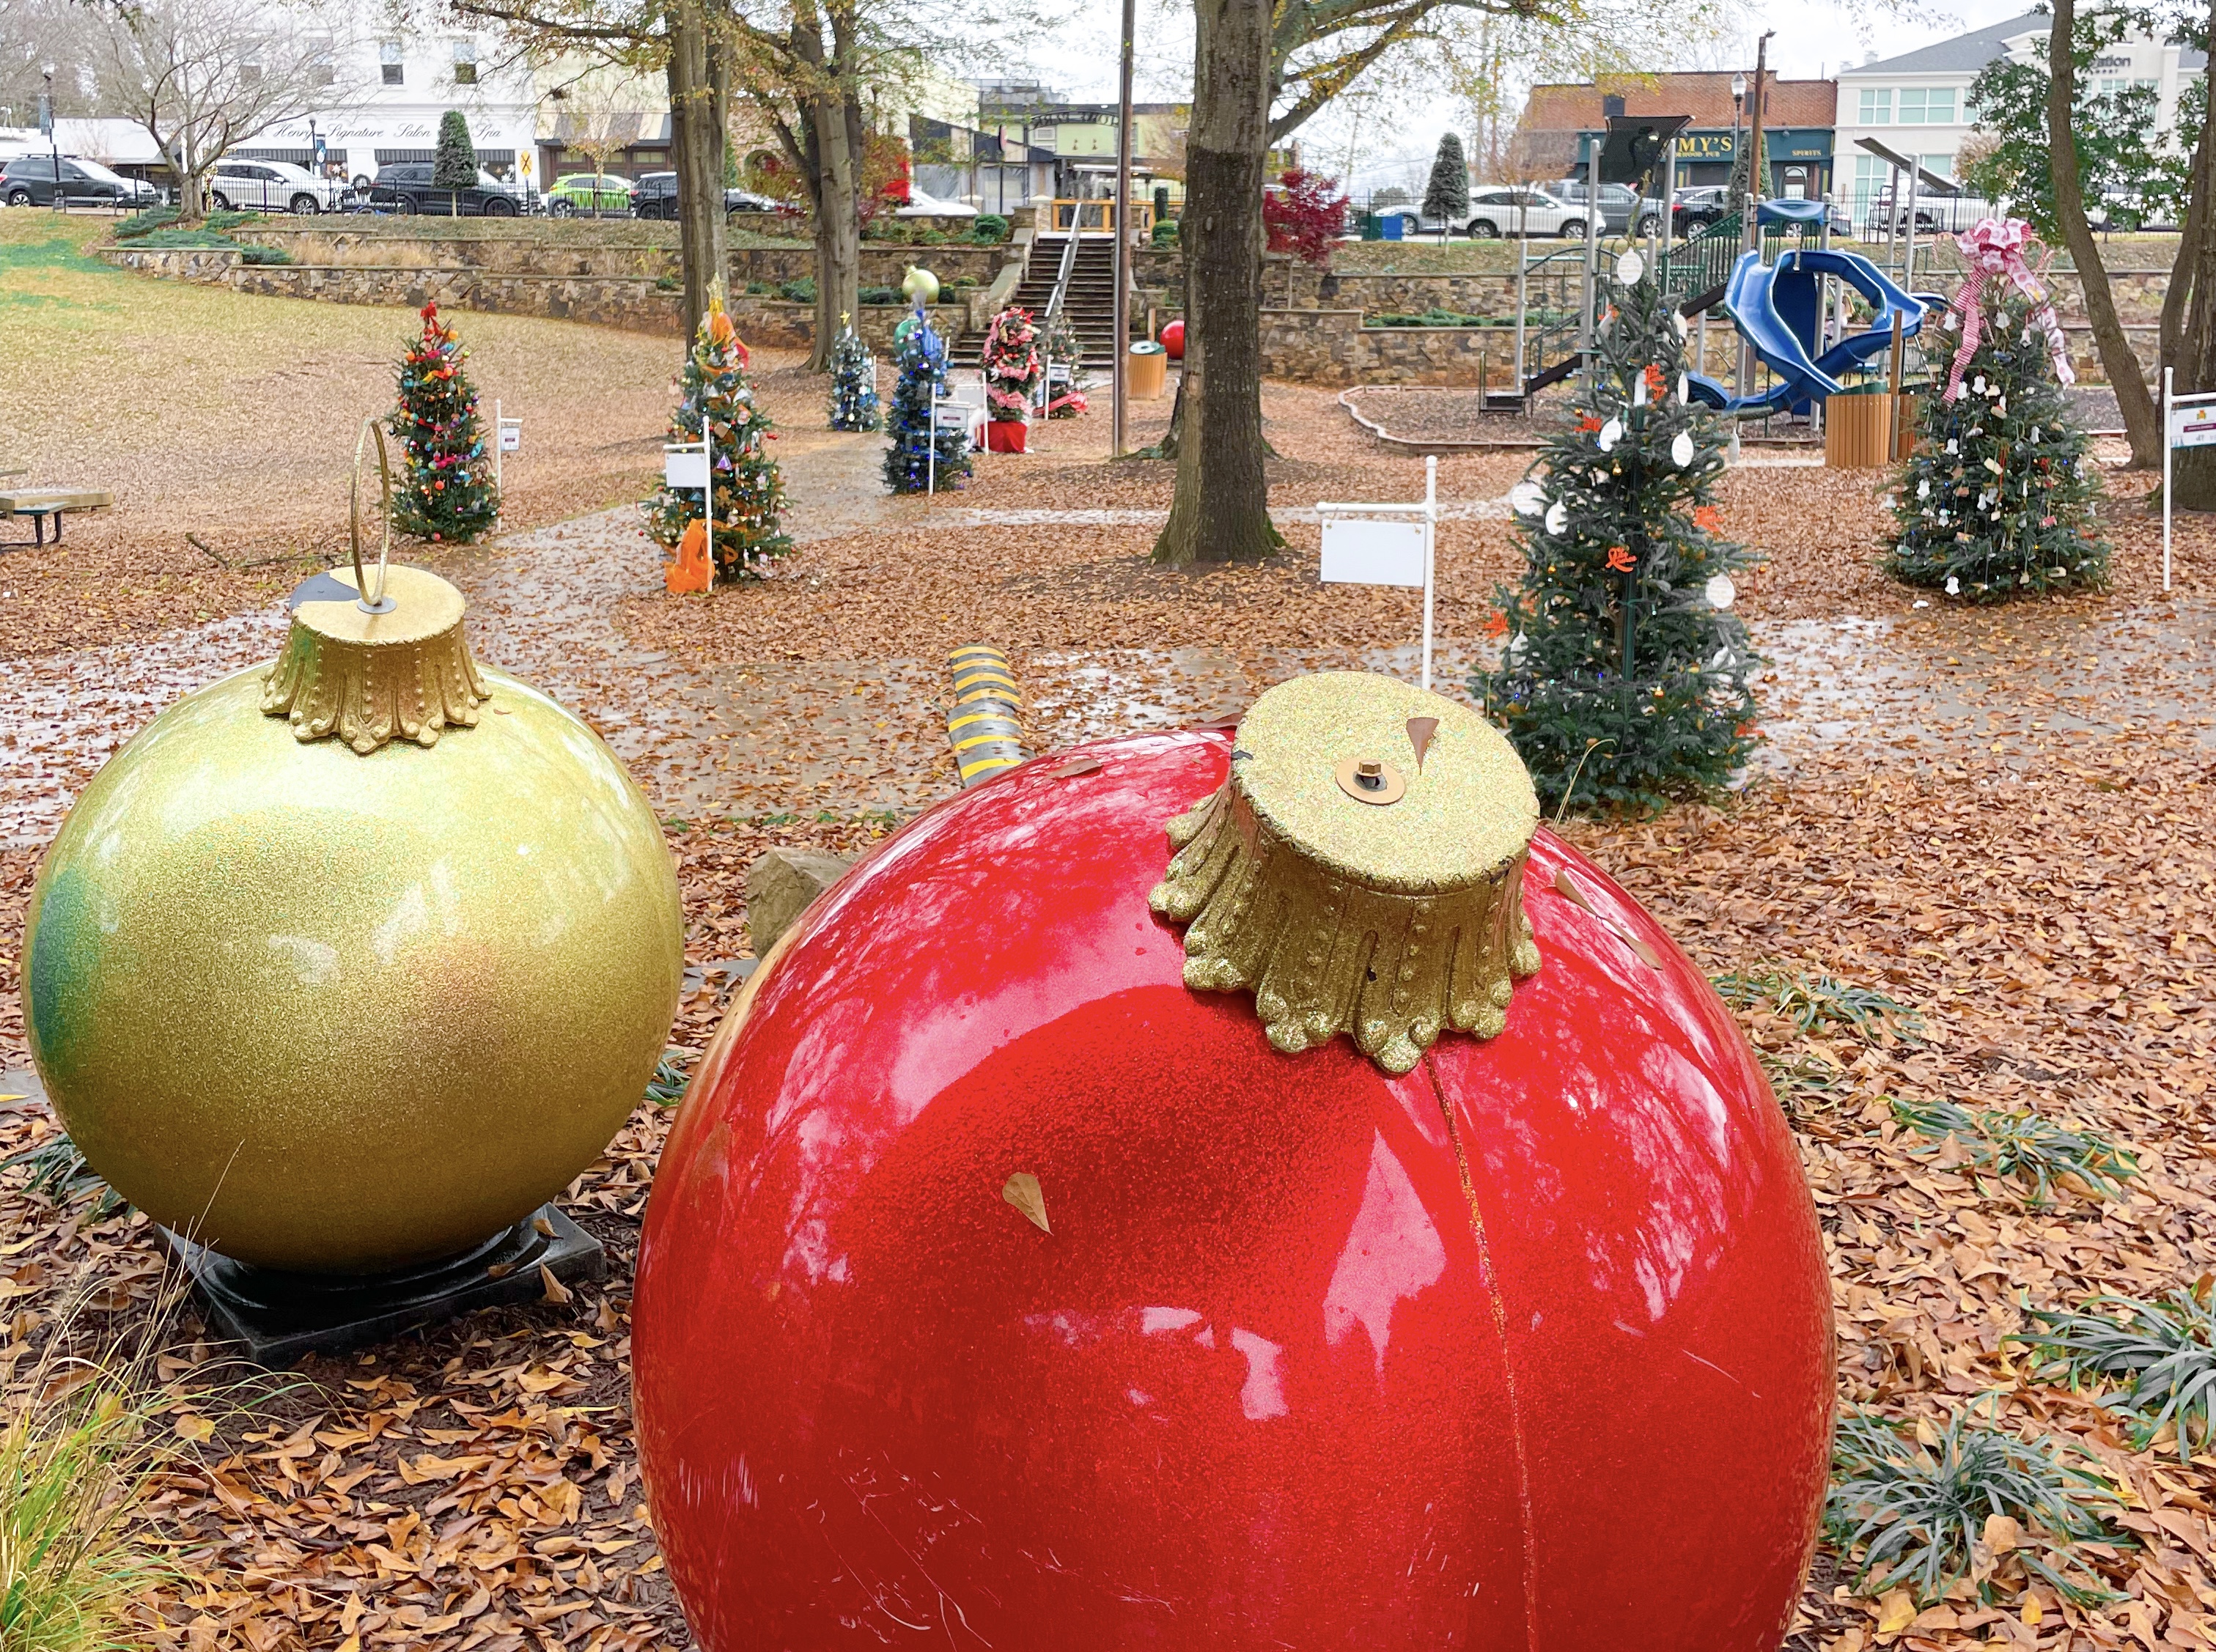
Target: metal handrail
x,y
1062,279
1704,261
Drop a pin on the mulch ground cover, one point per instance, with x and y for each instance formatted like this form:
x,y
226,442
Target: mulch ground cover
x,y
2029,870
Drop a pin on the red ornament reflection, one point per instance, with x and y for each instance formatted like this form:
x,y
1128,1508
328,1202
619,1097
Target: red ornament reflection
x,y
1297,1364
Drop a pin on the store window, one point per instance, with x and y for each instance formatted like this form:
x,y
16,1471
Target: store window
x,y
1927,106
389,59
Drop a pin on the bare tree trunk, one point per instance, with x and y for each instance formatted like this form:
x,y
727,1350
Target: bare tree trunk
x,y
2125,376
2189,312
696,146
835,123
1220,510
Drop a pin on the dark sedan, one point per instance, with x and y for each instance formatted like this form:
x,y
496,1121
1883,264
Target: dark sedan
x,y
655,195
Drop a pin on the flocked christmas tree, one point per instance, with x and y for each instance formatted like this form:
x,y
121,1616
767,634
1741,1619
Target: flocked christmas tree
x,y
1623,683
1997,498
854,381
920,356
445,491
749,493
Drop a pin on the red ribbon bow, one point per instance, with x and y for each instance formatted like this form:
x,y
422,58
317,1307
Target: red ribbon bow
x,y
1995,248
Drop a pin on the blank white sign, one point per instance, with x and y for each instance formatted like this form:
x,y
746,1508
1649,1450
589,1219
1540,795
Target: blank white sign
x,y
685,467
1366,551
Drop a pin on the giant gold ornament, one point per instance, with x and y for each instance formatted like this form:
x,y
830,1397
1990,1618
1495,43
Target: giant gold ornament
x,y
346,963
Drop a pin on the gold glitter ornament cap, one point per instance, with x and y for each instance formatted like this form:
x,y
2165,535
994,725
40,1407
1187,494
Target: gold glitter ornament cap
x,y
1361,870
374,678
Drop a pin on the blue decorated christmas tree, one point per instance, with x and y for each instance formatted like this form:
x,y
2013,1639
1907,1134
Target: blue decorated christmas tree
x,y
853,382
921,354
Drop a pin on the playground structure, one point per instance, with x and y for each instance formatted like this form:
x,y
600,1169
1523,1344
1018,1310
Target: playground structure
x,y
1785,290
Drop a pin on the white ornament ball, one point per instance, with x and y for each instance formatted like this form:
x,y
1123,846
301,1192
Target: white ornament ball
x,y
1681,450
1527,498
1558,517
1611,434
1721,592
1629,268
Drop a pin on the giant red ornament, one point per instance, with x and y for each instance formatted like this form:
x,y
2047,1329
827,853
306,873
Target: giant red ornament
x,y
999,1288
1174,341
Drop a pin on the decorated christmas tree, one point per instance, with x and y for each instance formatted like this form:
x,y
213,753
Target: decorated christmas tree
x,y
1065,397
920,355
1013,367
749,493
445,490
1623,682
1997,498
854,381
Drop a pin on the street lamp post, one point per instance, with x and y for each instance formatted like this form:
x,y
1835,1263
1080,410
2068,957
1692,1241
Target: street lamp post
x,y
1738,106
53,138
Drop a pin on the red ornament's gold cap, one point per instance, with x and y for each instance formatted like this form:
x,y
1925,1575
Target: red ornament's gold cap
x,y
1361,869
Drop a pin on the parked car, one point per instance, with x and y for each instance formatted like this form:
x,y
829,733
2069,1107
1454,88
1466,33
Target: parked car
x,y
602,194
405,187
655,195
29,181
273,187
1696,208
1620,206
1505,212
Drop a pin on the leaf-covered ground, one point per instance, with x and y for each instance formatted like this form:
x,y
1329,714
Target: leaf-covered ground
x,y
2004,821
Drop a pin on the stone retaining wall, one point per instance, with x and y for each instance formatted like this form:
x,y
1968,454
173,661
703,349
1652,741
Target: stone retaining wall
x,y
635,303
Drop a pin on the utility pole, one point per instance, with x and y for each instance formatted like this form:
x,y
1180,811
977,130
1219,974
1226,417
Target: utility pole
x,y
1745,372
1122,344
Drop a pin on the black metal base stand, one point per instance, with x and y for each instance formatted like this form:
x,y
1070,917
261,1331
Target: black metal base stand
x,y
279,1316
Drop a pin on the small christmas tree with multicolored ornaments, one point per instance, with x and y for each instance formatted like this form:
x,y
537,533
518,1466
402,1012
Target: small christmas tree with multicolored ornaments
x,y
749,490
919,448
1623,684
447,491
1999,499
854,381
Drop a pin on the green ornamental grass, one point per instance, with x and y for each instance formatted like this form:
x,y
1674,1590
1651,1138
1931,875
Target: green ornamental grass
x,y
2164,1352
1916,1512
1814,1001
2027,1146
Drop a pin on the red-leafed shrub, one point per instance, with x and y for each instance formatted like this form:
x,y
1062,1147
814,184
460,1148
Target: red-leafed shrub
x,y
1305,214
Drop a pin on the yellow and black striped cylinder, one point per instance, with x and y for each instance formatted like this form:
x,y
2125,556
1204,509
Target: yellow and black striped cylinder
x,y
983,723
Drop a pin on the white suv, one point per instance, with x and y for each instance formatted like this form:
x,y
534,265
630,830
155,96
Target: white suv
x,y
1524,211
273,187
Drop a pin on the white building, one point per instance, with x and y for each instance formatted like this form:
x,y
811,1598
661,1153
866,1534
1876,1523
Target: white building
x,y
1918,103
388,94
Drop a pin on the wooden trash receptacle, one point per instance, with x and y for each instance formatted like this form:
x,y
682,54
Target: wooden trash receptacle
x,y
1906,412
1148,372
1858,430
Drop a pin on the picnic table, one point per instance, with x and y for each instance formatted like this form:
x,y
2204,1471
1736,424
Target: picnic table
x,y
41,503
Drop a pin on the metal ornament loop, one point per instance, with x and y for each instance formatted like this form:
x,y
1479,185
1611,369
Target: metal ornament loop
x,y
380,604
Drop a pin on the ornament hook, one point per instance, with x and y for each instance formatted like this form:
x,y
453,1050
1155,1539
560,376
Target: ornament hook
x,y
380,604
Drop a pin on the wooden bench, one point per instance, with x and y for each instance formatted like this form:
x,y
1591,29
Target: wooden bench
x,y
41,503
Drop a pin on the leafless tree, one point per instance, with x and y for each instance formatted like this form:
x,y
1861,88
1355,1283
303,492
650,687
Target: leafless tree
x,y
204,76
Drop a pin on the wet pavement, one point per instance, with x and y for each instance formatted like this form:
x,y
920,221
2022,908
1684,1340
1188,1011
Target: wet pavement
x,y
846,735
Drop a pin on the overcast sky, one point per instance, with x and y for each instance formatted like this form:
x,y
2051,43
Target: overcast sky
x,y
1815,38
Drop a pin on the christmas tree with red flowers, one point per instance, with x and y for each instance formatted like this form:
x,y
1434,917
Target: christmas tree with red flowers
x,y
447,491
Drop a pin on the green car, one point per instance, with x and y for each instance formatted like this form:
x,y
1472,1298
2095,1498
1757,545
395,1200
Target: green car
x,y
599,193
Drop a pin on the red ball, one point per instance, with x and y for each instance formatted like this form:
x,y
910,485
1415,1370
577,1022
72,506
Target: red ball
x,y
1297,1364
1174,341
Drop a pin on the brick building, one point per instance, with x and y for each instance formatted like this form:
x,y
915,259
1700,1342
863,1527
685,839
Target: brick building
x,y
1560,122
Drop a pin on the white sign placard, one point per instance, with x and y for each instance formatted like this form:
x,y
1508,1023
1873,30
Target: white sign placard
x,y
2194,426
956,417
1358,551
511,435
685,466
1058,372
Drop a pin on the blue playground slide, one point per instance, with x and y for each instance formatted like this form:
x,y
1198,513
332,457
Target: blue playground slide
x,y
1778,307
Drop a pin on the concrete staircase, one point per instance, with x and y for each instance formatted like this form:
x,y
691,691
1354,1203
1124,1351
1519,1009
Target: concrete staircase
x,y
1091,302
